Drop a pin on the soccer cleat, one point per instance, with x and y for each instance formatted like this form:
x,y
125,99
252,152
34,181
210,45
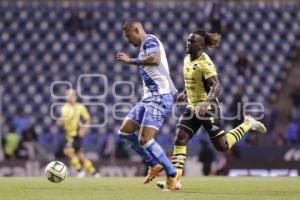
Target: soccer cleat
x,y
256,125
81,174
170,184
161,185
97,175
178,186
153,172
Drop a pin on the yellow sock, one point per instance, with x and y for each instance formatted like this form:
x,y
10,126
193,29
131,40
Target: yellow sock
x,y
236,134
88,166
75,163
178,159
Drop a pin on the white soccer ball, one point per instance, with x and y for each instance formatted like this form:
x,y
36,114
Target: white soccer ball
x,y
56,171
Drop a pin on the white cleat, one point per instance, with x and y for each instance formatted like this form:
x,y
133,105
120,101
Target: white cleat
x,y
161,185
97,175
81,174
256,125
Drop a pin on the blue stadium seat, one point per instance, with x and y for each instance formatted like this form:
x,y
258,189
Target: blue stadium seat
x,y
40,48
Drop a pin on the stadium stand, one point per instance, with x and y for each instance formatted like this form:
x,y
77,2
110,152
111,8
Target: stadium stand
x,y
59,41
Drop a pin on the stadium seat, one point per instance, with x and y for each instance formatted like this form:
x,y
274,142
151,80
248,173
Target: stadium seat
x,y
40,47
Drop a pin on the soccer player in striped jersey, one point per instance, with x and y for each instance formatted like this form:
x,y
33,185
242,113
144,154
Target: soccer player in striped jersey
x,y
147,116
201,91
72,113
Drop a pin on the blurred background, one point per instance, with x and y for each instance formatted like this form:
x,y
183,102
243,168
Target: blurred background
x,y
47,47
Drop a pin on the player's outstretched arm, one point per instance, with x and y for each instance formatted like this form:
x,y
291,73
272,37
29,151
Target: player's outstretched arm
x,y
150,60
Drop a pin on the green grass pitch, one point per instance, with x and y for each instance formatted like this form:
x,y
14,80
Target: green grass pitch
x,y
206,188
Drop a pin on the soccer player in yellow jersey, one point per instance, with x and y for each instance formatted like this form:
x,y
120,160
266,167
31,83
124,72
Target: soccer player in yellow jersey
x,y
201,90
75,119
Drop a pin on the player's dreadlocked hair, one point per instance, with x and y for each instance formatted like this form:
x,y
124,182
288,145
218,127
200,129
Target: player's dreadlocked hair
x,y
212,40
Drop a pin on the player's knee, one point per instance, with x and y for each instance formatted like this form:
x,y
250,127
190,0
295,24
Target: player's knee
x,y
81,157
128,127
124,129
143,140
69,152
146,134
182,137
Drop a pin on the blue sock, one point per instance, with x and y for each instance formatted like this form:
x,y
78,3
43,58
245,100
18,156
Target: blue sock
x,y
157,152
133,141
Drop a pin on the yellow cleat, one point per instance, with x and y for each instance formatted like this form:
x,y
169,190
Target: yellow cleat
x,y
161,185
178,186
153,172
170,184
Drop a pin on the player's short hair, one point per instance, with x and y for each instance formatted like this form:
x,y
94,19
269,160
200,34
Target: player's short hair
x,y
131,23
71,92
211,40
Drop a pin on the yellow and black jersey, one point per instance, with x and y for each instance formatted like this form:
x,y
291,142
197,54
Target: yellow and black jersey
x,y
195,74
71,116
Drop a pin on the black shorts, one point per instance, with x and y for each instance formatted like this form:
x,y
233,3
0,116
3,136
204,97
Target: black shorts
x,y
75,143
211,122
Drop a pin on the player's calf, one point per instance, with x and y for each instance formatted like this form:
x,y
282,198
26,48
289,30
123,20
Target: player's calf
x,y
221,144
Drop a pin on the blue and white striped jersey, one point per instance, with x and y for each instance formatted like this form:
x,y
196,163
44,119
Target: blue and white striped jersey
x,y
156,79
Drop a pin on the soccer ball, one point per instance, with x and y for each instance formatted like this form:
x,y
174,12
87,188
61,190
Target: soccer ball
x,y
56,171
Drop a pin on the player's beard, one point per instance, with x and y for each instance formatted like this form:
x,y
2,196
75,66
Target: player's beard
x,y
135,44
188,51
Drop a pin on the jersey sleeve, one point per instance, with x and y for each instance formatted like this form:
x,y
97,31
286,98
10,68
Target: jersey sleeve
x,y
150,46
84,113
209,69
